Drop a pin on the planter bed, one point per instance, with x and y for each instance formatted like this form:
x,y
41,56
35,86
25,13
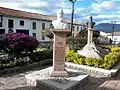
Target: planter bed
x,y
25,67
93,70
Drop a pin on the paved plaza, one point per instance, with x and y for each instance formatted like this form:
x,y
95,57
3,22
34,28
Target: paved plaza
x,y
18,82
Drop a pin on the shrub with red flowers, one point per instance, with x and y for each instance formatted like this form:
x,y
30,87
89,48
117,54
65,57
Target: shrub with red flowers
x,y
15,43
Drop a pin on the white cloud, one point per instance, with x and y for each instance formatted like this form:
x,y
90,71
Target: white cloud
x,y
99,1
108,5
99,9
12,5
19,6
107,16
37,4
105,5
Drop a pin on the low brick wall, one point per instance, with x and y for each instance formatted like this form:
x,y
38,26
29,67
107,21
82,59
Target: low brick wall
x,y
25,67
92,70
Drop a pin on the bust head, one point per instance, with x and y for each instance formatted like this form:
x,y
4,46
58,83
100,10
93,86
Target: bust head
x,y
59,23
60,15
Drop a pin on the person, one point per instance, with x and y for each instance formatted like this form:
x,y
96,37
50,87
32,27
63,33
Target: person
x,y
59,23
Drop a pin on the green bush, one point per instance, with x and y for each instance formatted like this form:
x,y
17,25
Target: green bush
x,y
89,61
81,61
115,49
69,55
41,54
98,62
109,60
72,56
14,63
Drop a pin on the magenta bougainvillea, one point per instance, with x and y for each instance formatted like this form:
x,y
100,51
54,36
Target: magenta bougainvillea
x,y
17,42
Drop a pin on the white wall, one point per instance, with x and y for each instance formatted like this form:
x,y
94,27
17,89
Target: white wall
x,y
4,24
115,39
28,26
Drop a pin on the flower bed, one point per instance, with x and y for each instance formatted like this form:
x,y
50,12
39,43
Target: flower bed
x,y
18,49
106,63
25,67
36,56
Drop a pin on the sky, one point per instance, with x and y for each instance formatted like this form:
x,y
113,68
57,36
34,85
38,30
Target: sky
x,y
103,11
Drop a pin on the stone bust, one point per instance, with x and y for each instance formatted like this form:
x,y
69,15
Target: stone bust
x,y
59,23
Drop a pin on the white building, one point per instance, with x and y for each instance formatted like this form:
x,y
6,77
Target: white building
x,y
28,23
106,38
115,37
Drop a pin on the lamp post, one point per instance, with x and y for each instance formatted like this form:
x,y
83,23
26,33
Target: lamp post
x,y
72,1
113,23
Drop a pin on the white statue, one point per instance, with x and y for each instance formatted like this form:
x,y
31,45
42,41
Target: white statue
x,y
59,23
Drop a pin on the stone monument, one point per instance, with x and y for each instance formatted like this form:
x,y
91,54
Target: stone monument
x,y
57,77
90,49
59,46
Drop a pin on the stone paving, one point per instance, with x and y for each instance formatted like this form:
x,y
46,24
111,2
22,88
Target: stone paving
x,y
18,82
102,83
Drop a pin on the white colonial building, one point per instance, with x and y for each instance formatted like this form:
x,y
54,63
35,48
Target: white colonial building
x,y
115,37
29,23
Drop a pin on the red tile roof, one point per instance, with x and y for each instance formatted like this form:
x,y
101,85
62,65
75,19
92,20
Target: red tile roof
x,y
26,15
29,15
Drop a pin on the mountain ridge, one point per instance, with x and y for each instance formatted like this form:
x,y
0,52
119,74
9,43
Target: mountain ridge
x,y
107,27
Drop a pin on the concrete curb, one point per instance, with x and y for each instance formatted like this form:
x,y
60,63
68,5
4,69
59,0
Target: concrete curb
x,y
88,69
26,67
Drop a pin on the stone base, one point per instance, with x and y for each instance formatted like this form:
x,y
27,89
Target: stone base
x,y
93,51
59,74
42,80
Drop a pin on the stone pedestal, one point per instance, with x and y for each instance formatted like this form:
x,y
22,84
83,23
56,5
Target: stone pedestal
x,y
59,48
90,36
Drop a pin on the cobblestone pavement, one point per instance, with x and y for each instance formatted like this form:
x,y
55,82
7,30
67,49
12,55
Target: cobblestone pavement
x,y
18,82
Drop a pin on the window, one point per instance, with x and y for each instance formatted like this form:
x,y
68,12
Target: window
x,y
34,25
43,26
10,23
73,28
51,26
21,23
43,37
81,28
77,28
10,31
73,34
34,35
115,39
0,24
1,19
69,27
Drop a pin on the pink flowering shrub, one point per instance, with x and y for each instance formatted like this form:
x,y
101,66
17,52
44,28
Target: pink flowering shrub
x,y
15,43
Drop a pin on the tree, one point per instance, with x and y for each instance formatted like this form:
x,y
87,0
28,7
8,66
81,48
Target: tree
x,y
47,32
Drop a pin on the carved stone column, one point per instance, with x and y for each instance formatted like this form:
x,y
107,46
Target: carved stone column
x,y
90,36
59,48
90,30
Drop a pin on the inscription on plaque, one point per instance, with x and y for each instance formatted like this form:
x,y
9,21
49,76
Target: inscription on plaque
x,y
59,44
